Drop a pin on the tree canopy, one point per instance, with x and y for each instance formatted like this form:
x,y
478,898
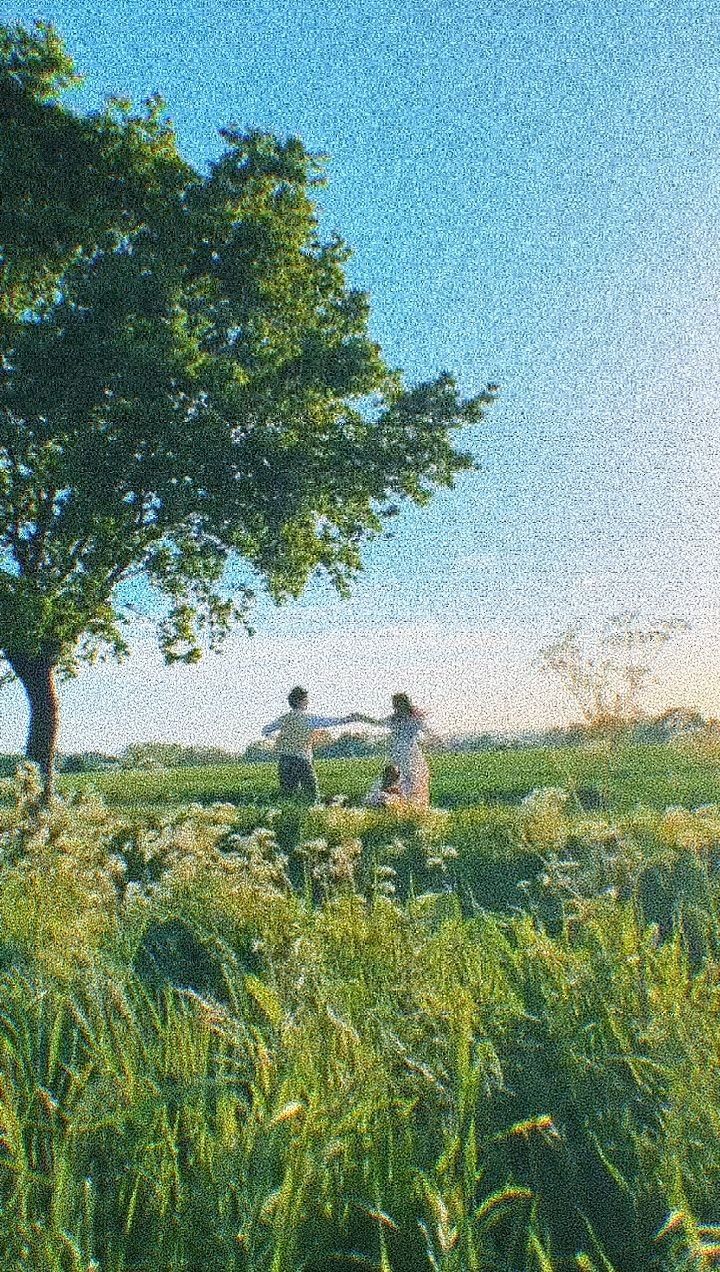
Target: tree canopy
x,y
188,387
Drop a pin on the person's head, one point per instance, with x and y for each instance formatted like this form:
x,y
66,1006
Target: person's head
x,y
403,707
390,777
298,697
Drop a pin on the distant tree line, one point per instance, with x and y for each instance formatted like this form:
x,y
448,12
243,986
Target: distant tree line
x,y
674,722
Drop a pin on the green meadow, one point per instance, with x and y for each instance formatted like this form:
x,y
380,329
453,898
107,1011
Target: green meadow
x,y
236,1034
619,776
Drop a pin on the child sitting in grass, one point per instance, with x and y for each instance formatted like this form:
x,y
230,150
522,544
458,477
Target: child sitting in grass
x,y
387,791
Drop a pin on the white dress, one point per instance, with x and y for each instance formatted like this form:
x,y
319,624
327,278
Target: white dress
x,y
405,751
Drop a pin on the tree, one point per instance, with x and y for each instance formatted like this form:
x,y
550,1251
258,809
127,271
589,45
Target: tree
x,y
607,671
188,390
674,722
349,746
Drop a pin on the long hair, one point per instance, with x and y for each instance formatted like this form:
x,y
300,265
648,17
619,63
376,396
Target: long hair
x,y
403,708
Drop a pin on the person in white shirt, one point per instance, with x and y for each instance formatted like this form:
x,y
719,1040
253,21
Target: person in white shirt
x,y
293,744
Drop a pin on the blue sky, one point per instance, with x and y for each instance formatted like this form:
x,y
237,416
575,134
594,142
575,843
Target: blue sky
x,y
532,192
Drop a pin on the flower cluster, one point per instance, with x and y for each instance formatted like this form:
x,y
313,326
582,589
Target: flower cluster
x,y
333,866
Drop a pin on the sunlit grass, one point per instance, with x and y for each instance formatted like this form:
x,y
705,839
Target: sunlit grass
x,y
277,1038
619,776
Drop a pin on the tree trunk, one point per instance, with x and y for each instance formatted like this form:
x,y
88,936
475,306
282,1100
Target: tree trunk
x,y
37,676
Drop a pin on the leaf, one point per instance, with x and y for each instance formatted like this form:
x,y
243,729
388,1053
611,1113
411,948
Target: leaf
x,y
265,998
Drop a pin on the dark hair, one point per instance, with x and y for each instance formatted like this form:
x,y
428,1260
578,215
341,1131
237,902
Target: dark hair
x,y
403,707
390,777
297,696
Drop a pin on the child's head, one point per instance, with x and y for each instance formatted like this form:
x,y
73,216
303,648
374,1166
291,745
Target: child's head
x,y
298,697
390,777
403,707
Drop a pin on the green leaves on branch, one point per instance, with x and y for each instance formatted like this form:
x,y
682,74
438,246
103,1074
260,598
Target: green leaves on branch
x,y
186,380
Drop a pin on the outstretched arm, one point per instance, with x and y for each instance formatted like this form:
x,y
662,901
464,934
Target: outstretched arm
x,y
271,728
330,722
366,719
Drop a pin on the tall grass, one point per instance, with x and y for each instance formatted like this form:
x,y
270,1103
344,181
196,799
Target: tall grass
x,y
480,1039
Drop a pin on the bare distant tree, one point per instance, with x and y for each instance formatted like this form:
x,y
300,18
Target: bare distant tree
x,y
607,671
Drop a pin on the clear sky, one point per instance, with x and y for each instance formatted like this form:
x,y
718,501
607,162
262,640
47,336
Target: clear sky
x,y
532,192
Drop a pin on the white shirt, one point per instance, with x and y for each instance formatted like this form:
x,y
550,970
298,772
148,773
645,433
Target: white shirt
x,y
295,729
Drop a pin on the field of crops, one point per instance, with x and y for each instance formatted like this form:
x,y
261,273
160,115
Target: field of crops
x,y
236,1034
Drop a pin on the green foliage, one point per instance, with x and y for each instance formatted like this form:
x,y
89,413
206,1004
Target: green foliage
x,y
188,382
169,755
379,1066
8,765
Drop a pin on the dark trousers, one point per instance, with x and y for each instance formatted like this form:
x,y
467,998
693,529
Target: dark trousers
x,y
297,776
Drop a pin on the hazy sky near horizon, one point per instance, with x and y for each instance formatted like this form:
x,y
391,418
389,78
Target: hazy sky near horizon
x,y
532,192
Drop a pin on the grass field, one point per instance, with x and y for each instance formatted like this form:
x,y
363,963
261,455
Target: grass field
x,y
618,777
242,1035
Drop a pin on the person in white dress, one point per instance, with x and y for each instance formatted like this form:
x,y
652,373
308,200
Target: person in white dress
x,y
406,726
